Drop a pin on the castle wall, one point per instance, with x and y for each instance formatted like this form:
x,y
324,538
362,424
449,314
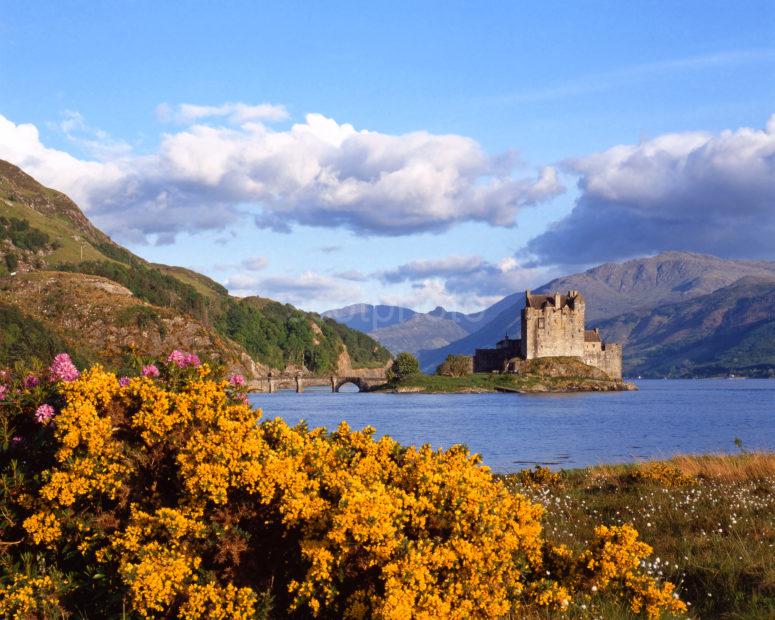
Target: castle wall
x,y
551,331
605,356
490,360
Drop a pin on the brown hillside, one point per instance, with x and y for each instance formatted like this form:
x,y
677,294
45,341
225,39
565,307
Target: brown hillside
x,y
106,322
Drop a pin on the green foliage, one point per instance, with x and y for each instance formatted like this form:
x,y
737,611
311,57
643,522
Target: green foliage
x,y
455,366
117,253
405,365
278,335
11,262
24,339
150,285
22,235
364,350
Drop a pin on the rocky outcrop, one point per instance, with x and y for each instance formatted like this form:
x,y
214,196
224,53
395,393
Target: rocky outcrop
x,y
107,323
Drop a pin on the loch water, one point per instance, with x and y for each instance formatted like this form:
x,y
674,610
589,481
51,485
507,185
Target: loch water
x,y
513,431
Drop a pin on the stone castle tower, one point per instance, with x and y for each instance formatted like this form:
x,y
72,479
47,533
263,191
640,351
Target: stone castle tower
x,y
553,325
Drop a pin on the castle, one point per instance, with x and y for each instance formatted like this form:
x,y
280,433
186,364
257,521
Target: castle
x,y
552,325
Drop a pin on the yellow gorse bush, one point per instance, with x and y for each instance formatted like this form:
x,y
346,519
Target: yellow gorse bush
x,y
188,505
663,474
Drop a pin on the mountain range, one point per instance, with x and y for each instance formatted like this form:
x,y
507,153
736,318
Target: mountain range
x,y
64,284
643,303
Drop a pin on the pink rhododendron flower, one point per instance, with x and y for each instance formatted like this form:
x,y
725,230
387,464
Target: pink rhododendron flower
x,y
150,371
3,391
177,357
30,381
237,380
182,359
44,413
63,369
16,440
124,381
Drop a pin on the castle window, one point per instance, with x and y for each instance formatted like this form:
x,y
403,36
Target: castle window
x,y
541,323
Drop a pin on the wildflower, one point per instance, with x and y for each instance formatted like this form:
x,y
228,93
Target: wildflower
x,y
177,357
3,391
124,381
16,440
63,369
237,380
31,381
182,359
44,413
150,371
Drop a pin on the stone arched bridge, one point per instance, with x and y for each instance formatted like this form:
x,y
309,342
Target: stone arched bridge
x,y
364,379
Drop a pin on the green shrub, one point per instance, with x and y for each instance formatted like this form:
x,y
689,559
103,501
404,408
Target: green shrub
x,y
405,365
455,366
22,235
11,262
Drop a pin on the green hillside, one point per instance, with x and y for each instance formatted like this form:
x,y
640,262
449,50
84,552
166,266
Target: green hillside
x,y
42,230
729,331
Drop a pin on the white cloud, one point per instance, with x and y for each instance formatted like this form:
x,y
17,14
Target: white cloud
x,y
695,191
94,141
236,113
353,275
307,290
254,263
462,282
317,173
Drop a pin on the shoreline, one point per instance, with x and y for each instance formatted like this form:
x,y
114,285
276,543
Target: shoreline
x,y
503,384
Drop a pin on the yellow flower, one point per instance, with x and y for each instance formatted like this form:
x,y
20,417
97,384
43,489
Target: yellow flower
x,y
44,528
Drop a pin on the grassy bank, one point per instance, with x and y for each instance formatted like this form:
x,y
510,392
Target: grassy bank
x,y
710,520
493,382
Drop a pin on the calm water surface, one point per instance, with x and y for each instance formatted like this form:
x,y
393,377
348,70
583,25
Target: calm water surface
x,y
562,430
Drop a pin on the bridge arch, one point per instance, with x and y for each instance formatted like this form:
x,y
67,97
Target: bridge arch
x,y
338,382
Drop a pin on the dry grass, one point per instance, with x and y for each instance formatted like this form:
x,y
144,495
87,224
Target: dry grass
x,y
743,467
735,468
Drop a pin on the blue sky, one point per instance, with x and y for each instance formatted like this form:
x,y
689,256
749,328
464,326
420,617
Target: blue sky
x,y
484,118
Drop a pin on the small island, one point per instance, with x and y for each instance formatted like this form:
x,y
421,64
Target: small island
x,y
548,374
555,353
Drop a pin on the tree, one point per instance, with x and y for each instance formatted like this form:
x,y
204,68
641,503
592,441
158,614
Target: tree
x,y
456,366
404,365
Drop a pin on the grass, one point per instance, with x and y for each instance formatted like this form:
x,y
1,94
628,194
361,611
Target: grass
x,y
492,382
58,229
710,520
202,284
